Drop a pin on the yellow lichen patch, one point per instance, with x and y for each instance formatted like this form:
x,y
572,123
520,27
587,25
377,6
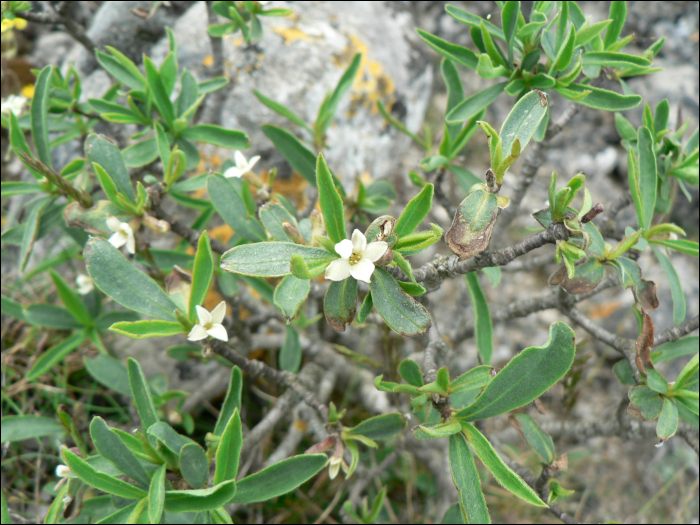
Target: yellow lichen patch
x,y
292,34
208,61
372,83
603,311
221,233
300,425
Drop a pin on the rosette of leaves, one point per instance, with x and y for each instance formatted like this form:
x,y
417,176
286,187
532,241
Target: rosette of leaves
x,y
145,472
483,394
474,220
298,258
243,16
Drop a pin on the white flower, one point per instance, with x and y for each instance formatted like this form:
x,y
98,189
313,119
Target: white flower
x,y
62,471
243,166
209,324
13,104
123,234
356,258
85,284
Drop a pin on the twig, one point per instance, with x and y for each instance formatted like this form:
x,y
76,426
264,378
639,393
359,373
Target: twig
x,y
441,268
608,228
51,16
435,345
443,199
676,332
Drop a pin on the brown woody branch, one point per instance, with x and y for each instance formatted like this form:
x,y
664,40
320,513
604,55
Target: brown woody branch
x,y
63,17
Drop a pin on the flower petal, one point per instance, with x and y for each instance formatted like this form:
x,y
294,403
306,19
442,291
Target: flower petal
x,y
233,172
338,270
130,243
375,250
359,241
113,223
218,313
253,161
118,239
344,248
197,333
217,331
240,160
203,315
363,270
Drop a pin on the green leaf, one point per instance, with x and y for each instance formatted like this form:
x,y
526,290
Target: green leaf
x,y
473,223
365,308
656,381
599,98
170,439
20,188
51,316
299,156
340,303
455,95
522,121
384,426
437,430
146,329
200,500
142,395
121,68
400,311
566,52
411,373
509,22
589,32
414,213
647,174
483,328
683,246
674,349
272,259
503,474
160,95
100,150
227,197
454,515
231,402
113,449
123,282
109,372
684,378
12,308
142,153
398,124
645,403
201,275
618,15
610,59
72,300
538,439
156,495
459,54
474,104
279,478
466,479
345,82
5,512
282,110
19,428
679,308
290,294
527,376
194,465
473,20
100,480
289,357
229,450
473,379
211,134
486,68
31,232
39,115
668,420
53,356
330,201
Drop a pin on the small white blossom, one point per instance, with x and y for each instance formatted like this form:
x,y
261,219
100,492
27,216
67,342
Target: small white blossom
x,y
62,471
242,167
357,258
123,234
13,104
209,324
85,284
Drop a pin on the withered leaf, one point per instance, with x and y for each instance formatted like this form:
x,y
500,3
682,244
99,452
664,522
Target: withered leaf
x,y
644,344
586,277
473,223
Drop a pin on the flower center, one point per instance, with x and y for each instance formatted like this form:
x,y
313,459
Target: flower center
x,y
355,258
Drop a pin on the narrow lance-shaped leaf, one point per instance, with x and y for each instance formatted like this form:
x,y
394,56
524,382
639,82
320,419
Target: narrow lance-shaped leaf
x,y
200,500
526,377
400,311
289,358
472,105
231,402
113,449
156,495
380,427
538,439
416,210
647,174
39,115
272,259
100,150
482,318
290,294
677,294
299,156
279,478
228,199
460,54
229,450
194,465
340,303
123,282
201,274
330,201
503,474
466,479
142,395
54,356
523,120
